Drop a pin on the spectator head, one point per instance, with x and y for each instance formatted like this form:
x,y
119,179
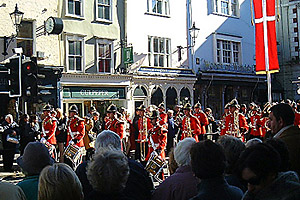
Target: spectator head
x,y
233,147
9,118
108,171
59,181
36,156
59,114
182,154
283,151
281,115
108,139
258,165
252,142
170,113
207,159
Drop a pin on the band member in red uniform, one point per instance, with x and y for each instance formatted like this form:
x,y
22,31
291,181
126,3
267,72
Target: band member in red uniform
x,y
297,114
75,127
202,118
144,126
255,124
225,120
191,126
49,126
157,136
162,114
237,124
114,124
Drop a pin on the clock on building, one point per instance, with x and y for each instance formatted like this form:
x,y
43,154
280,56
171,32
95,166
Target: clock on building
x,y
54,25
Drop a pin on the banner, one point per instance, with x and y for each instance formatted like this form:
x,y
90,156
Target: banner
x,y
271,37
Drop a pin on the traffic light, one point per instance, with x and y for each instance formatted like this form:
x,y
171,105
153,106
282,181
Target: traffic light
x,y
29,78
14,77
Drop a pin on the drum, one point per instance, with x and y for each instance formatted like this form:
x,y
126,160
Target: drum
x,y
52,150
73,152
155,165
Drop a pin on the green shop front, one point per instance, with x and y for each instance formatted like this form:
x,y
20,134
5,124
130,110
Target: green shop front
x,y
86,93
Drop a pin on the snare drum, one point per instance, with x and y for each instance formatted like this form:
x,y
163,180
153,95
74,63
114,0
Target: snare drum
x,y
154,166
73,152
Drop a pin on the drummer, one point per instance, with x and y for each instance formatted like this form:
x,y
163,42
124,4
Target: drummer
x,y
75,127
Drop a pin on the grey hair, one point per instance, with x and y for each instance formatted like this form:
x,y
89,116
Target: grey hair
x,y
252,142
108,139
182,151
108,171
9,116
233,147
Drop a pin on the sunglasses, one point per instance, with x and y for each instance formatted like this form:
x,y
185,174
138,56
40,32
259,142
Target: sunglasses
x,y
254,181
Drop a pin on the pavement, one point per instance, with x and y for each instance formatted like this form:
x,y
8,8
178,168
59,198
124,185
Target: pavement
x,y
11,177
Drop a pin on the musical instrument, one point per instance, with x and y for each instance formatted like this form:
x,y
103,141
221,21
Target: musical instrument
x,y
143,138
187,131
74,153
155,165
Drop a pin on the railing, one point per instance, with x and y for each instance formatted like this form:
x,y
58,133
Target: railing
x,y
207,66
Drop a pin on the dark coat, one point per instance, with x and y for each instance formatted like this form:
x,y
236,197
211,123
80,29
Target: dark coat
x,y
217,189
291,137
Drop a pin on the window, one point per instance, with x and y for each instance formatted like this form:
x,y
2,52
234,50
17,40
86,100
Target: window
x,y
159,51
226,7
75,8
104,56
228,52
104,10
26,38
75,53
158,7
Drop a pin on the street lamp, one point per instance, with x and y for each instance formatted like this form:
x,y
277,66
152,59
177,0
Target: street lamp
x,y
16,18
194,30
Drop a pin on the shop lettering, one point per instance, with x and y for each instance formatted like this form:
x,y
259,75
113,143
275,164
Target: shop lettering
x,y
84,92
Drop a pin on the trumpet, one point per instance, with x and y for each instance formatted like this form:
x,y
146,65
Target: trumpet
x,y
143,134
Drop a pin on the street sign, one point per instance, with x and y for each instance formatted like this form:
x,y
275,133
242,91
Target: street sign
x,y
128,55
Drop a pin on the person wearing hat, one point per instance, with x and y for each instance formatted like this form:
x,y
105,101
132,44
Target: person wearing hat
x,y
162,114
191,126
144,125
225,120
36,156
255,124
75,127
236,122
202,117
49,126
157,136
114,124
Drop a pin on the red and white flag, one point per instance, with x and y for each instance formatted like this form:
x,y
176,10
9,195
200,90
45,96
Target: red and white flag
x,y
270,43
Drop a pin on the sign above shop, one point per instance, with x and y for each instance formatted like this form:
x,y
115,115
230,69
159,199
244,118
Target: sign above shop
x,y
167,71
128,55
94,92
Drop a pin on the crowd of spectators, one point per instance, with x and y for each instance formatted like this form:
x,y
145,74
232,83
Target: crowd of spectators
x,y
225,169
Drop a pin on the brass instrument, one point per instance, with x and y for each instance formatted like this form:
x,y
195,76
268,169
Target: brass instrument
x,y
143,138
188,130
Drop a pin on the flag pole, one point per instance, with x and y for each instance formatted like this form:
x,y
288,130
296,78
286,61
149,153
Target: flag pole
x,y
265,25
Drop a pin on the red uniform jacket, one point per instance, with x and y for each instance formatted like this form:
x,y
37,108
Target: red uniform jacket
x,y
203,120
297,119
232,128
195,127
163,118
157,140
76,127
224,123
49,129
256,125
116,126
144,126
263,122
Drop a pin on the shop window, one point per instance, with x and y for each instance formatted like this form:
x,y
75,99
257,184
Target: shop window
x,y
228,52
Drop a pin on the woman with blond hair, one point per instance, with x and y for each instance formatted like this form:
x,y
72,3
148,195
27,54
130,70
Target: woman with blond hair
x,y
58,182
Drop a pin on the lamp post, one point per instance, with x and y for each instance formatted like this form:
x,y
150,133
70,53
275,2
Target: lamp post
x,y
194,30
16,18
